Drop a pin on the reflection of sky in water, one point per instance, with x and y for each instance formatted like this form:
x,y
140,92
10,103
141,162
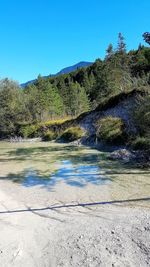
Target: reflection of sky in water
x,y
73,175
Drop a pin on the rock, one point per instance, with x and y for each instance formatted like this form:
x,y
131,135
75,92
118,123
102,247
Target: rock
x,y
122,154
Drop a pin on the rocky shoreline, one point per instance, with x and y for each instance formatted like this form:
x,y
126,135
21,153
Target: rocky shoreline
x,y
139,158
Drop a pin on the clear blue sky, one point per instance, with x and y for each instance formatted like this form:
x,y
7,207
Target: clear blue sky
x,y
43,36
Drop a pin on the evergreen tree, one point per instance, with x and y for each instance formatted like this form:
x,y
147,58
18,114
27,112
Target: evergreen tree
x,y
121,44
78,100
140,47
109,52
146,36
100,87
44,101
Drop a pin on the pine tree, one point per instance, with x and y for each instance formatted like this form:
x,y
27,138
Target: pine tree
x,y
146,36
121,44
78,99
44,100
140,47
109,51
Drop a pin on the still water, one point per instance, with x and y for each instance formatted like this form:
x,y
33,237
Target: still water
x,y
49,165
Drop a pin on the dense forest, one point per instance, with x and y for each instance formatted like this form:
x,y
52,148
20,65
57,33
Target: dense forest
x,y
69,95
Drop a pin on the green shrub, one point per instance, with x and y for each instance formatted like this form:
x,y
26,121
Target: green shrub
x,y
141,143
29,131
49,136
72,134
141,115
110,129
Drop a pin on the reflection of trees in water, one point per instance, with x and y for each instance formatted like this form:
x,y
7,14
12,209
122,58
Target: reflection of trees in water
x,y
73,175
75,166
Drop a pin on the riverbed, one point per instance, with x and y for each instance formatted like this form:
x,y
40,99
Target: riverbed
x,y
66,205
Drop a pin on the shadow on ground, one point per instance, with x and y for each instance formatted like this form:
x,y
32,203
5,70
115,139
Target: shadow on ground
x,y
76,205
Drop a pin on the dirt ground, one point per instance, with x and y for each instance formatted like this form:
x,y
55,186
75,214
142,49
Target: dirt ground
x,y
39,228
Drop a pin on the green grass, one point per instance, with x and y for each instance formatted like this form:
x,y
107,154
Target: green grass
x,y
141,143
58,121
110,130
72,134
49,136
29,131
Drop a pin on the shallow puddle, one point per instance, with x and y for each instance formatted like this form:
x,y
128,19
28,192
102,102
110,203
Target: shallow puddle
x,y
48,165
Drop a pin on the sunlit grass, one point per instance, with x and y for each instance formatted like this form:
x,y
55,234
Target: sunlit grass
x,y
56,121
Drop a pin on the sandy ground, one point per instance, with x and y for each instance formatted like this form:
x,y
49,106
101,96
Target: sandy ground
x,y
38,229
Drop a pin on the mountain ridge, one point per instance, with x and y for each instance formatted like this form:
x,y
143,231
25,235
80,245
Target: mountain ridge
x,y
81,64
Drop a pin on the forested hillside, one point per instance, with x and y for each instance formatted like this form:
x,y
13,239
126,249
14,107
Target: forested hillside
x,y
69,95
69,69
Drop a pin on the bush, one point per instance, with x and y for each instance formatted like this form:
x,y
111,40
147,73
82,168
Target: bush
x,y
29,131
141,143
110,129
72,134
49,136
141,115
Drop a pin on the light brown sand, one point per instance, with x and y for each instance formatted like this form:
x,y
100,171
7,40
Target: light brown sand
x,y
102,235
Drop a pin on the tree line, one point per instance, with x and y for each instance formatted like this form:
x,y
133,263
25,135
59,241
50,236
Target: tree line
x,y
74,93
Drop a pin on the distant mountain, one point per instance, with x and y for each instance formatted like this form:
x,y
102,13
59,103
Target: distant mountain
x,y
82,64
